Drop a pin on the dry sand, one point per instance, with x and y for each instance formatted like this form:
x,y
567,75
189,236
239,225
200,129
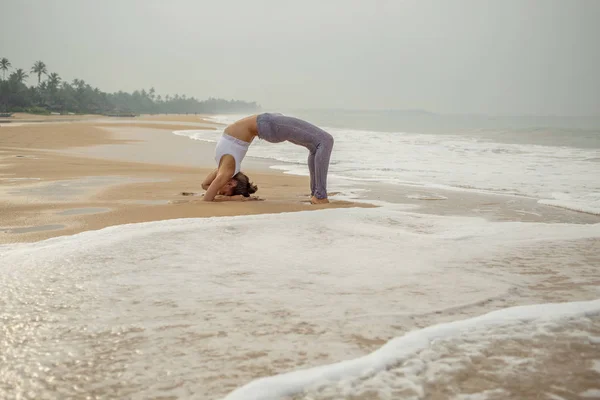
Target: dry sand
x,y
64,177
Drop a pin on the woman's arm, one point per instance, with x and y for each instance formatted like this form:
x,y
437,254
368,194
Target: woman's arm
x,y
209,179
217,183
222,175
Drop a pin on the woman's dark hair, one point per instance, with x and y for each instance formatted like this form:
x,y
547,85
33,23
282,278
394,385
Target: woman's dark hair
x,y
244,186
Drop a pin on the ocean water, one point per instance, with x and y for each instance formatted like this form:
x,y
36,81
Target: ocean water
x,y
378,303
166,310
557,166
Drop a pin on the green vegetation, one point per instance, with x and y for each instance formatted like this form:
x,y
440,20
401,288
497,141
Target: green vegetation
x,y
55,95
39,68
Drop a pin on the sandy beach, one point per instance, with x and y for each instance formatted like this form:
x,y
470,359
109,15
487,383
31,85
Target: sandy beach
x,y
135,295
61,176
458,144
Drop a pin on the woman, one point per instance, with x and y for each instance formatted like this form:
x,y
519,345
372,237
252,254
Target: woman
x,y
274,128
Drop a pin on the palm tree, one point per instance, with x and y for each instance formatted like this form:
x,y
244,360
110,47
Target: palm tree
x,y
4,65
79,84
39,68
19,75
53,81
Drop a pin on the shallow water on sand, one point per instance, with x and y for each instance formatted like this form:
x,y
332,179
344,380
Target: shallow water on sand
x,y
84,210
66,190
196,308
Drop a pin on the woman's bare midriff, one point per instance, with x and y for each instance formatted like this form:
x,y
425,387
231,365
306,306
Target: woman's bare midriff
x,y
245,129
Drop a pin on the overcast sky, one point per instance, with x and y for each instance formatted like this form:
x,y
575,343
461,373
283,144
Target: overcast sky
x,y
494,57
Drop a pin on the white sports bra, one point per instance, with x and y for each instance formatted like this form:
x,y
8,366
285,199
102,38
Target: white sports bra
x,y
234,147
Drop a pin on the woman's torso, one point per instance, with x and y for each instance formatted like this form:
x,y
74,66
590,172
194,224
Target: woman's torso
x,y
244,129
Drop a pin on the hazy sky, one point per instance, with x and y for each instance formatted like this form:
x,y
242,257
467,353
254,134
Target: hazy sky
x,y
496,57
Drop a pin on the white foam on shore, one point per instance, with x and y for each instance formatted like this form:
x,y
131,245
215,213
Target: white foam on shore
x,y
553,396
225,119
426,197
588,203
573,206
591,393
480,396
201,135
400,348
238,296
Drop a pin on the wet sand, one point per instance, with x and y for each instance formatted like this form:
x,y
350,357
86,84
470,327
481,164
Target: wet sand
x,y
134,169
492,207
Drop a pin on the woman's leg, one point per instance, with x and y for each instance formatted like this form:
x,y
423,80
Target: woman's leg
x,y
311,169
321,166
278,128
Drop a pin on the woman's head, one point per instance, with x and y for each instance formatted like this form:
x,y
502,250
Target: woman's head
x,y
244,186
239,184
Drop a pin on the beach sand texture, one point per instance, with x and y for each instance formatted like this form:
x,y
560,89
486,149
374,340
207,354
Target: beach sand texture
x,y
114,284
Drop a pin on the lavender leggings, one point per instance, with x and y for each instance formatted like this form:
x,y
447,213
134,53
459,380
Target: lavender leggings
x,y
276,128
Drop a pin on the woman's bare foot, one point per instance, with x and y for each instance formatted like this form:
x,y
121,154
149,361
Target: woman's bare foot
x,y
314,200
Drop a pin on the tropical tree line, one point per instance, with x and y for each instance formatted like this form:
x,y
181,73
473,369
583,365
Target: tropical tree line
x,y
53,94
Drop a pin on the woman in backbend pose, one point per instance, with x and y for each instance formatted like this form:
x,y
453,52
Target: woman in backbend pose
x,y
227,179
